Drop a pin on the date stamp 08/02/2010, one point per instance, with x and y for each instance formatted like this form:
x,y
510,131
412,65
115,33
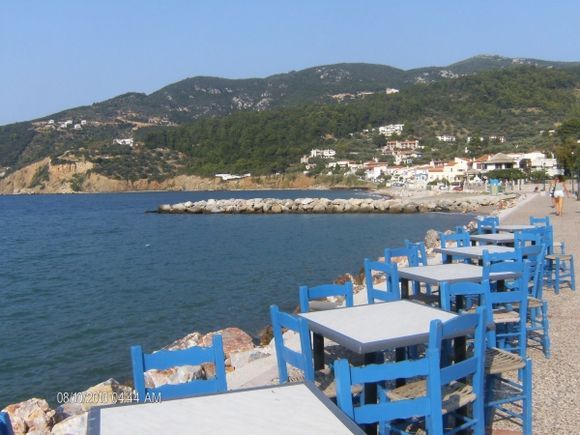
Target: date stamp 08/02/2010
x,y
105,397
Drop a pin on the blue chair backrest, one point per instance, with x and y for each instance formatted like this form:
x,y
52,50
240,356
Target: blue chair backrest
x,y
420,252
501,262
5,425
516,293
487,224
528,243
300,359
406,251
429,367
165,359
392,291
450,292
323,291
462,239
540,221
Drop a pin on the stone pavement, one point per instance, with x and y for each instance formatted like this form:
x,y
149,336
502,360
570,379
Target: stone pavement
x,y
556,394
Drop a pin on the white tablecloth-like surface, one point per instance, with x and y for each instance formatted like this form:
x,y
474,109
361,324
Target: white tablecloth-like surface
x,y
287,409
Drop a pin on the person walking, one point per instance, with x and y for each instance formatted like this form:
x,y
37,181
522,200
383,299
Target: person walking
x,y
560,190
551,192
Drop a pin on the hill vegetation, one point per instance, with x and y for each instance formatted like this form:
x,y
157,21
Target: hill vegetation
x,y
204,125
517,103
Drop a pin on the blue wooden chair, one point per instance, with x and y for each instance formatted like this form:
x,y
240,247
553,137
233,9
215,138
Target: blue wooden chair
x,y
461,239
310,296
165,359
420,253
301,359
5,425
540,221
392,290
439,392
501,388
560,269
487,224
407,252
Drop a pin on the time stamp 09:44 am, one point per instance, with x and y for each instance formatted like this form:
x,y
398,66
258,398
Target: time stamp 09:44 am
x,y
105,397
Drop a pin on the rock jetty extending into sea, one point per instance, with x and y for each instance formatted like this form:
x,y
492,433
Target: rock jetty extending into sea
x,y
325,205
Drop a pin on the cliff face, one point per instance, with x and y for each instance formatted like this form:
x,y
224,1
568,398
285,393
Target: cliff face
x,y
45,177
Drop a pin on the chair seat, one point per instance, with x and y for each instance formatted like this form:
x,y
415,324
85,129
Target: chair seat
x,y
499,361
534,302
505,316
424,298
455,395
560,256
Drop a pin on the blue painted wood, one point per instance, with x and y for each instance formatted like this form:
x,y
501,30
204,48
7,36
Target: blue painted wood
x,y
323,291
461,239
420,253
284,355
407,252
430,406
5,425
165,359
392,292
487,224
521,392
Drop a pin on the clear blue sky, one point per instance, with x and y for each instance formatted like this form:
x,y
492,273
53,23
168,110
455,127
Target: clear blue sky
x,y
59,54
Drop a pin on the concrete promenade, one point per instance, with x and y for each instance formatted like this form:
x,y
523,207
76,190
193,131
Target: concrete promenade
x,y
557,380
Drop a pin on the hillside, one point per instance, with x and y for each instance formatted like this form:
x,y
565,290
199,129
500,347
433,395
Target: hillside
x,y
516,103
303,110
201,97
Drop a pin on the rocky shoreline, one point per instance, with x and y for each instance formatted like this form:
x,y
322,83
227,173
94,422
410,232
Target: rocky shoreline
x,y
247,364
328,206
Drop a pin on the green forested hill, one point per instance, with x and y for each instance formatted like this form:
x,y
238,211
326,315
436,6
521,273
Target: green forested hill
x,y
516,103
435,100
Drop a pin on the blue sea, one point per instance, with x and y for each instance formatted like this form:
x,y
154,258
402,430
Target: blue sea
x,y
84,277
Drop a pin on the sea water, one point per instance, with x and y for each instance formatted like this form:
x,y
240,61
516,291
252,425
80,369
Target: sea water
x,y
84,277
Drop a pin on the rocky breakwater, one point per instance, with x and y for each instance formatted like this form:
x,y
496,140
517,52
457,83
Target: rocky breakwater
x,y
325,205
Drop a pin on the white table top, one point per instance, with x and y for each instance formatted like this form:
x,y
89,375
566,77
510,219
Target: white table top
x,y
494,238
474,251
515,227
451,273
286,409
376,327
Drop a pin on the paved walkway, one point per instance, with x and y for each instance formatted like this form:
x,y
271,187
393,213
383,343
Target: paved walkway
x,y
557,380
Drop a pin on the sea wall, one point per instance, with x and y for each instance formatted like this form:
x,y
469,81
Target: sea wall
x,y
325,205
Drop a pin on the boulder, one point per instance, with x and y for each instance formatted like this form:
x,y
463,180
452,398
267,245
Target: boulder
x,y
190,340
33,415
396,207
241,359
164,208
174,375
234,339
178,208
73,425
109,392
431,239
68,409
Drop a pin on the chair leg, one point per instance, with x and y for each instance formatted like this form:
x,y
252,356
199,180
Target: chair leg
x,y
546,328
572,275
557,277
489,410
527,402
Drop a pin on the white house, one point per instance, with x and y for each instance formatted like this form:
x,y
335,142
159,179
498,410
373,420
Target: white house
x,y
391,129
325,154
128,141
446,138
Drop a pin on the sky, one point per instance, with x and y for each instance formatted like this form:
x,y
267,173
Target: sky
x,y
59,54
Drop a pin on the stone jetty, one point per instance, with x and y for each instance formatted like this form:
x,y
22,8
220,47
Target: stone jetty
x,y
329,206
